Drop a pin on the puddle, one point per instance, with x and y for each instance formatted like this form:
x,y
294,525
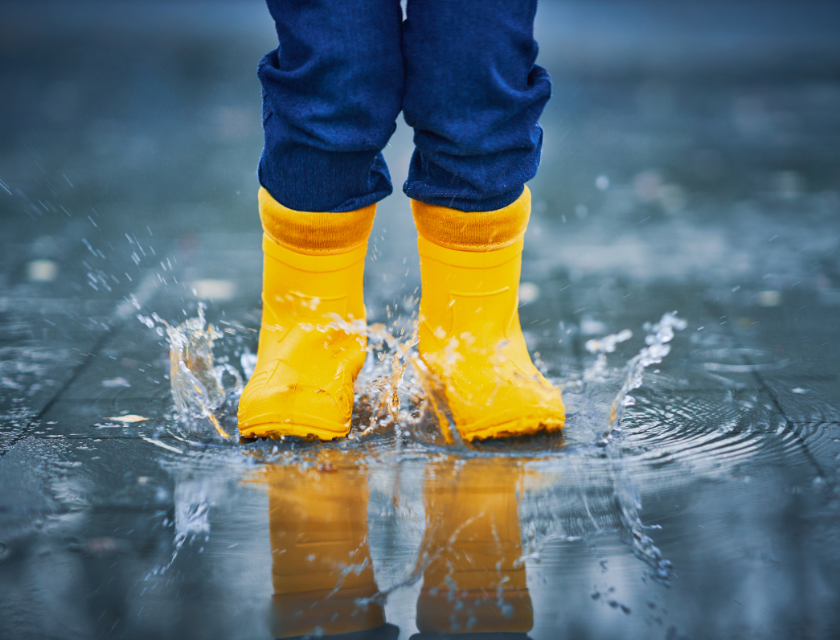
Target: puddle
x,y
404,531
401,523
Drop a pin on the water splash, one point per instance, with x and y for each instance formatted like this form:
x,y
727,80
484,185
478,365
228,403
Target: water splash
x,y
397,388
197,385
581,492
625,493
397,393
655,349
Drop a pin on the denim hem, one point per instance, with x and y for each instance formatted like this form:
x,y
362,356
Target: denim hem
x,y
463,204
315,183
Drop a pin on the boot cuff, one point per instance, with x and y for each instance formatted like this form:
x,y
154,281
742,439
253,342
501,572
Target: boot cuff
x,y
473,230
315,233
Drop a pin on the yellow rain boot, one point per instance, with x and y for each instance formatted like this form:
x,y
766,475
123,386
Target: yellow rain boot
x,y
473,582
470,336
320,557
313,273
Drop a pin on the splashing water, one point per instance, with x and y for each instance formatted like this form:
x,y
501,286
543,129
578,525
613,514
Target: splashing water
x,y
604,496
395,389
624,491
657,347
397,393
588,483
197,386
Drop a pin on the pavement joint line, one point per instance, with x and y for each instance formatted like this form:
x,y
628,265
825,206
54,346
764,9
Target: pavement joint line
x,y
116,319
101,438
789,424
110,399
30,425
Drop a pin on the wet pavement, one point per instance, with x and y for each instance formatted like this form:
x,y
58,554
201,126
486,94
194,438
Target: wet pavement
x,y
687,168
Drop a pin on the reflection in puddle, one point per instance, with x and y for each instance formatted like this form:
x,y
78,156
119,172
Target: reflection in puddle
x,y
320,557
474,576
470,560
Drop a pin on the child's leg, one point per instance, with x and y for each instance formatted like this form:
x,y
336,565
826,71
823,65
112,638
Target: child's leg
x,y
473,96
331,94
332,91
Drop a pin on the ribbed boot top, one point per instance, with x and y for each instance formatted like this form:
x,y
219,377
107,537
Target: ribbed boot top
x,y
315,233
473,230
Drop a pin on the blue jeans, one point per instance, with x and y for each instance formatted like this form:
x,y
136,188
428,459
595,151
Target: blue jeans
x,y
461,71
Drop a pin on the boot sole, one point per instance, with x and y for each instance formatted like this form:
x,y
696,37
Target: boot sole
x,y
512,429
278,430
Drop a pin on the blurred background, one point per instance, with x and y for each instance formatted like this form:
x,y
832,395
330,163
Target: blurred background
x,y
674,115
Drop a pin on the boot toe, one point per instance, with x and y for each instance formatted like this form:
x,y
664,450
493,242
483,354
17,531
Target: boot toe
x,y
492,401
300,410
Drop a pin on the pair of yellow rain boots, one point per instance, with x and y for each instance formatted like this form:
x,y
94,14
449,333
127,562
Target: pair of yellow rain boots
x,y
312,341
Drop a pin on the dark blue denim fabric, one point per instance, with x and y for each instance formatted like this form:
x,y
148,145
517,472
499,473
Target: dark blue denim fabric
x,y
331,95
462,71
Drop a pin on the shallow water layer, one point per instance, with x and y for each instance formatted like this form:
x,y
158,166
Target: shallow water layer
x,y
684,501
678,487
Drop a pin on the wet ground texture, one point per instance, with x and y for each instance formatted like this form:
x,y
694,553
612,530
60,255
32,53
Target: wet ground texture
x,y
691,164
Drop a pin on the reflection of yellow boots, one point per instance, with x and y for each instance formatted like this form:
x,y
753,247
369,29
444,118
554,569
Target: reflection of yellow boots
x,y
313,271
469,333
320,556
472,543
